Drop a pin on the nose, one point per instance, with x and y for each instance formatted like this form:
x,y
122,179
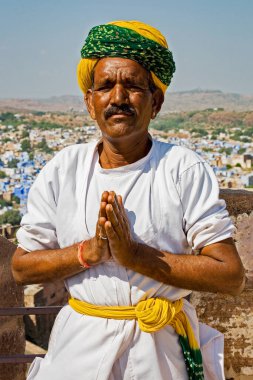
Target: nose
x,y
119,95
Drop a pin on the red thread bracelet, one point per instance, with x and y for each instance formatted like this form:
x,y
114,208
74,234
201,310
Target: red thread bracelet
x,y
80,255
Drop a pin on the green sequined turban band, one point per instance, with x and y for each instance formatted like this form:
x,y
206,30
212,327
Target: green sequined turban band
x,y
127,39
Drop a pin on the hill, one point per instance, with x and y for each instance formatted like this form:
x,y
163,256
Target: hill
x,y
174,102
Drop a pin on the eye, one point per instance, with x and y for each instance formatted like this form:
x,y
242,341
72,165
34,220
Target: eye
x,y
136,88
104,88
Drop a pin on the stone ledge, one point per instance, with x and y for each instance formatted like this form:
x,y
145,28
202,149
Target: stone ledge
x,y
12,336
233,316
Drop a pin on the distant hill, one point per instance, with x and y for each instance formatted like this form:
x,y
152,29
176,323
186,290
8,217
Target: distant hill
x,y
203,99
65,103
174,102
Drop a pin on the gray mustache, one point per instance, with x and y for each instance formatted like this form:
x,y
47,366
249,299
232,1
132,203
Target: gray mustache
x,y
115,110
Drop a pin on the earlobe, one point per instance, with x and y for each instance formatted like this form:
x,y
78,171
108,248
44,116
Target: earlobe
x,y
89,104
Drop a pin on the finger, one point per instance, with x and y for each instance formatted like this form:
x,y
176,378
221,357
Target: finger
x,y
100,226
112,217
119,200
102,211
112,199
122,208
110,232
104,197
101,223
120,205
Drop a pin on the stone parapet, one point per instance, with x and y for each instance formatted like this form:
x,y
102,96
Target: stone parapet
x,y
12,336
233,316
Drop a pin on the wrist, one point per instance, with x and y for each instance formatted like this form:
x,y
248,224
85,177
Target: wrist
x,y
80,254
130,259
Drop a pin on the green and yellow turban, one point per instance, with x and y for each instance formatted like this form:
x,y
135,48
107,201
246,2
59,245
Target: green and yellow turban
x,y
127,39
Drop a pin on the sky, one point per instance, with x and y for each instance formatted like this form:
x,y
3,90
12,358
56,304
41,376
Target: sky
x,y
40,42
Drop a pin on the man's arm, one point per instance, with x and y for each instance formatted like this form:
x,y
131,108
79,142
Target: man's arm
x,y
217,268
49,265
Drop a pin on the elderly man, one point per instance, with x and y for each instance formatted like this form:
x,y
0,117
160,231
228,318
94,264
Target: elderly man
x,y
132,225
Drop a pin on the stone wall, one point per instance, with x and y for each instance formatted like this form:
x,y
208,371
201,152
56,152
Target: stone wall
x,y
12,338
233,316
38,327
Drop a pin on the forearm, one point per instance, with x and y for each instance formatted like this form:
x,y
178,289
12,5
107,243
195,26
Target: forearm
x,y
201,273
57,264
45,265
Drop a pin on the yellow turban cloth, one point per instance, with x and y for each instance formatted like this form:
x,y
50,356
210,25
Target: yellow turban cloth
x,y
86,65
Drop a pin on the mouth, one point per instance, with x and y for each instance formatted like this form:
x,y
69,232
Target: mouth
x,y
122,115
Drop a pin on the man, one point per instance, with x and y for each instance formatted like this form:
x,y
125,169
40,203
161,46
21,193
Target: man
x,y
161,230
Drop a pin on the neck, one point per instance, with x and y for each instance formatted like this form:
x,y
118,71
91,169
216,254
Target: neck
x,y
116,154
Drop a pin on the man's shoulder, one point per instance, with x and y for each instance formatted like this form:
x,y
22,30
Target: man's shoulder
x,y
177,157
72,155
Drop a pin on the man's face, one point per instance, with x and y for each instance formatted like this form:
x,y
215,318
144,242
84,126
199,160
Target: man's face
x,y
121,100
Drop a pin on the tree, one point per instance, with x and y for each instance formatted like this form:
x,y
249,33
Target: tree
x,y
2,174
4,203
26,145
12,216
25,133
44,147
15,199
13,163
241,150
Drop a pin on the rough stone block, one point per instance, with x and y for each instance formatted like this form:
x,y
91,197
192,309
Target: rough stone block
x,y
12,338
233,316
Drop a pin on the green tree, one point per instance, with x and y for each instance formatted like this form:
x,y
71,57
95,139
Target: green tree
x,y
26,145
25,133
228,151
44,147
15,199
241,150
12,216
4,203
13,163
2,174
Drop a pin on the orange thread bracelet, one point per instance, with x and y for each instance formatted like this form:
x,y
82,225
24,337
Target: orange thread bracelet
x,y
80,255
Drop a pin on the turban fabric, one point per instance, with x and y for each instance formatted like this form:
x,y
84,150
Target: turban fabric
x,y
127,39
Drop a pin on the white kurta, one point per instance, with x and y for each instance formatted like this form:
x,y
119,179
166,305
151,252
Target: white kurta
x,y
172,201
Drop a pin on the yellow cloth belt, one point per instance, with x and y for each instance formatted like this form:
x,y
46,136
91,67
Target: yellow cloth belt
x,y
152,315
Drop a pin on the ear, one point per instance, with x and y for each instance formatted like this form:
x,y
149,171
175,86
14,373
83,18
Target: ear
x,y
88,99
158,99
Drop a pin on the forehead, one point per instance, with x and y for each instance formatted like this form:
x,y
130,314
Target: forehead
x,y
112,67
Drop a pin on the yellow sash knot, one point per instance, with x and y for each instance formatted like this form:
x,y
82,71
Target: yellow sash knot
x,y
155,313
152,315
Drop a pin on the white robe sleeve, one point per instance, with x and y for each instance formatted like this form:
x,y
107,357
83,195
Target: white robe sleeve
x,y
206,219
38,226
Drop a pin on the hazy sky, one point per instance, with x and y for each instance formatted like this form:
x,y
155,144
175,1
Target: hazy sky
x,y
40,42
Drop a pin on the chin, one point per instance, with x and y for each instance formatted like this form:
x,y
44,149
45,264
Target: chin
x,y
119,130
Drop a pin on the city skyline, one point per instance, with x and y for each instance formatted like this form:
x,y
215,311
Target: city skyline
x,y
41,42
